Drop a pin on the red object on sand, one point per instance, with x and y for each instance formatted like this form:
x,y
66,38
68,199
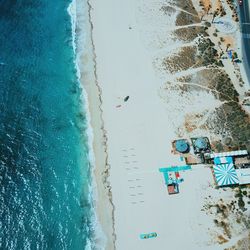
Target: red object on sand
x,y
173,189
177,174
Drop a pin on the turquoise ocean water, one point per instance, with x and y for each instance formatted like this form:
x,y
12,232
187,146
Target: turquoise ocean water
x,y
45,175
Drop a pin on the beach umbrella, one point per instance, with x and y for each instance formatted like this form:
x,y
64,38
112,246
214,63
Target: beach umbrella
x,y
225,174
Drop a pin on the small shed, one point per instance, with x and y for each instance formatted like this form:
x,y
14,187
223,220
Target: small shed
x,y
223,160
225,174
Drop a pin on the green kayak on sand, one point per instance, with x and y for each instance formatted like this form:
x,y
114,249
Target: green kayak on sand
x,y
148,236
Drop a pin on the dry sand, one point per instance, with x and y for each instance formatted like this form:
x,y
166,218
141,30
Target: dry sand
x,y
131,40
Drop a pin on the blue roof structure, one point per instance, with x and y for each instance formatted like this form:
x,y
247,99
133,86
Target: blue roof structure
x,y
175,169
201,143
225,174
181,146
222,160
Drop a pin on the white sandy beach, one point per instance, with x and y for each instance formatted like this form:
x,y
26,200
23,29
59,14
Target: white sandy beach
x,y
130,37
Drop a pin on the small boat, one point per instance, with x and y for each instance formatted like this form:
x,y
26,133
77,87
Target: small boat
x,y
126,98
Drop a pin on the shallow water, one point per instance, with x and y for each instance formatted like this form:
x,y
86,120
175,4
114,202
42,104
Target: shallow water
x,y
44,165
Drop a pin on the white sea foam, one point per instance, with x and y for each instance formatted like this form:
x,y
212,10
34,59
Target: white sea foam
x,y
78,11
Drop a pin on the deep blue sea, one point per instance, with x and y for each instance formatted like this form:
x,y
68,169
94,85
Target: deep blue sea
x,y
44,166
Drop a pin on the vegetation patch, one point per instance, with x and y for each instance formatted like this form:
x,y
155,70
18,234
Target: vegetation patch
x,y
186,5
183,60
184,18
232,118
242,244
226,215
208,55
190,33
168,10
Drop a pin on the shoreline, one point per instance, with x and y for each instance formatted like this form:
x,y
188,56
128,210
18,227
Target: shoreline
x,y
85,60
102,167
